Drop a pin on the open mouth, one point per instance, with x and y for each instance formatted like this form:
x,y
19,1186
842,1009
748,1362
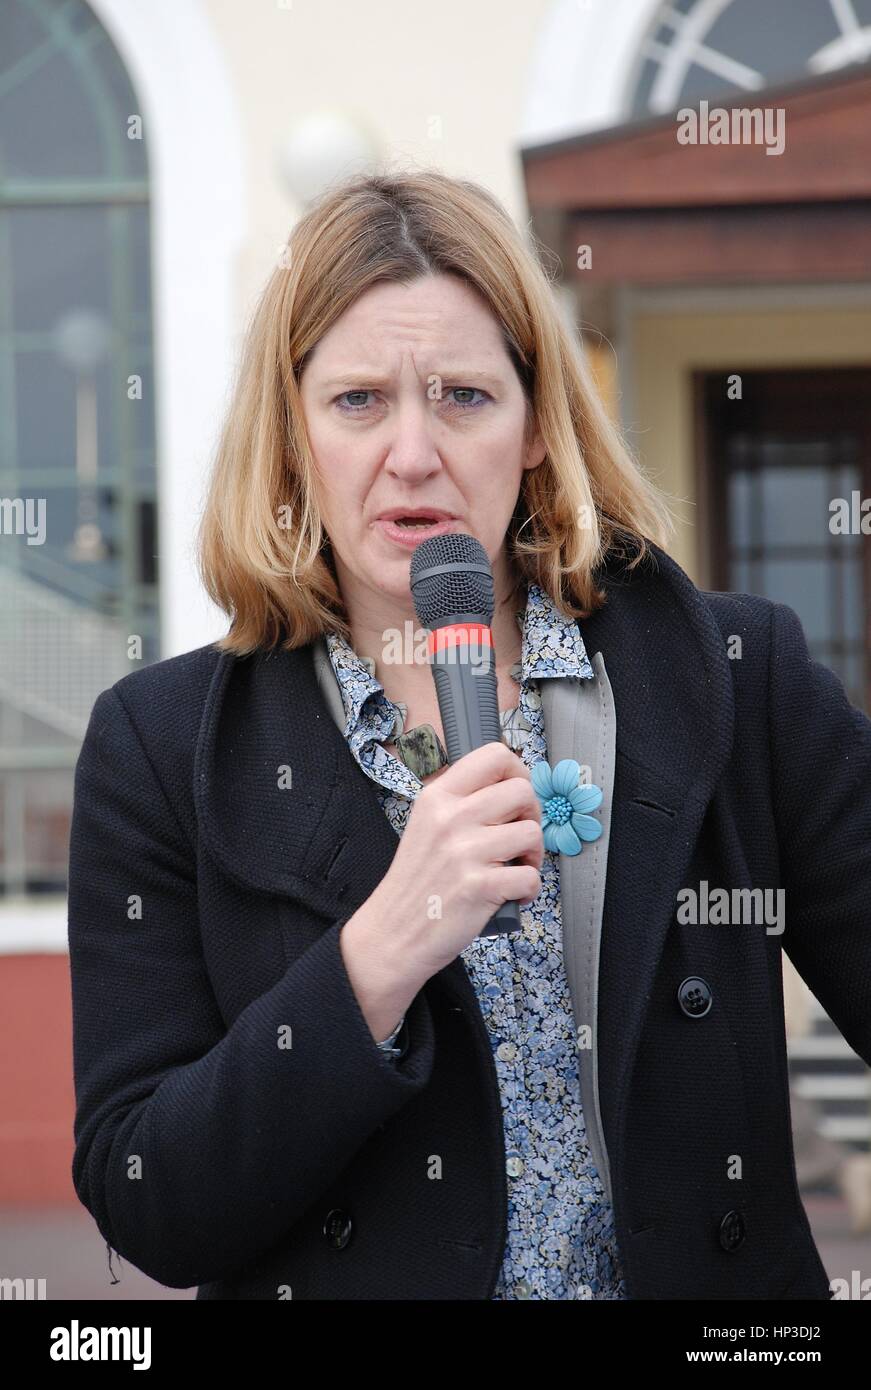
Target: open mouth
x,y
410,530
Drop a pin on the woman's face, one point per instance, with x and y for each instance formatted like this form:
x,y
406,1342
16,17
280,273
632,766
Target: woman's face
x,y
411,400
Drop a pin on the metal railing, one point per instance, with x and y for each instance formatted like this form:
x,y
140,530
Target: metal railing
x,y
55,655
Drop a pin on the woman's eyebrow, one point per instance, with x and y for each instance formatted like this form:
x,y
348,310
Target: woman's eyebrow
x,y
363,378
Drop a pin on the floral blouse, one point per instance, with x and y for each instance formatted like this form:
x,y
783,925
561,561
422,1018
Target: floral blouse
x,y
560,1241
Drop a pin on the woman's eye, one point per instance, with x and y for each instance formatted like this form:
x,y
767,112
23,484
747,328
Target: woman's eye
x,y
352,404
467,391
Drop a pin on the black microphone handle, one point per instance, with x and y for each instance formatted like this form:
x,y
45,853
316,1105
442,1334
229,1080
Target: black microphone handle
x,y
469,706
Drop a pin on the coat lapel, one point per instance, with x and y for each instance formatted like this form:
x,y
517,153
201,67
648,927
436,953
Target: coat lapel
x,y
278,794
580,723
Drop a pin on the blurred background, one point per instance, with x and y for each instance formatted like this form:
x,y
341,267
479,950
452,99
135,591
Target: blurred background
x,y
154,155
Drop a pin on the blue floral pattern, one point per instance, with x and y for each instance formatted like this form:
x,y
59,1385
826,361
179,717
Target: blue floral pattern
x,y
560,1241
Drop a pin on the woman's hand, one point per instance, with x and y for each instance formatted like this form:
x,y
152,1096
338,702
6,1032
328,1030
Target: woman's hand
x,y
448,877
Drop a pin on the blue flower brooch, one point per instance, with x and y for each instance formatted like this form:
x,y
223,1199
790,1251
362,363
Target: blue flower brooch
x,y
565,801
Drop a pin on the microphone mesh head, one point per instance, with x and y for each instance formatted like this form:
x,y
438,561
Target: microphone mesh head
x,y
466,589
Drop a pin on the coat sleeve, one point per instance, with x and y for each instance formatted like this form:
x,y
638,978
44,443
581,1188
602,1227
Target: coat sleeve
x,y
197,1146
821,768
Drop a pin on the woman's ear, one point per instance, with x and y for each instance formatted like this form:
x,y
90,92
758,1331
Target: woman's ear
x,y
535,453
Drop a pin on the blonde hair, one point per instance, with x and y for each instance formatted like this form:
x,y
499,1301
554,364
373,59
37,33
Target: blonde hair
x,y
263,553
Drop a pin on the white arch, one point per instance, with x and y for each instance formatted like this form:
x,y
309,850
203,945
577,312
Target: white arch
x,y
582,61
199,217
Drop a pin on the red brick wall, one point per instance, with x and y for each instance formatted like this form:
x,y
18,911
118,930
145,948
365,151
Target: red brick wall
x,y
37,1100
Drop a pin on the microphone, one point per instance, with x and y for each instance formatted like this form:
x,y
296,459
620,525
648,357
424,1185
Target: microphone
x,y
452,588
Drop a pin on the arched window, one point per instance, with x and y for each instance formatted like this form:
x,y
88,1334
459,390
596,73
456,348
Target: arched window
x,y
78,544
700,49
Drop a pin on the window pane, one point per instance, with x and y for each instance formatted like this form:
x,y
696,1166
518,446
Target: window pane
x,y
774,38
854,599
847,482
139,289
61,260
46,438
109,71
66,510
804,585
50,128
739,576
847,477
795,506
740,498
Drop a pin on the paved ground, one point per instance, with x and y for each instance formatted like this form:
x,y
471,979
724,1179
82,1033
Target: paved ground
x,y
64,1247
841,1252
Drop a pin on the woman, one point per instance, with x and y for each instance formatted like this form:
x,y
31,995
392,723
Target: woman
x,y
301,1072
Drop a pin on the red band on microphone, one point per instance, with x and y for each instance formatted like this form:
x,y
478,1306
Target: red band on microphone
x,y
457,634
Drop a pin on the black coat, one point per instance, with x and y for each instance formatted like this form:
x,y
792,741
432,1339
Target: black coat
x,y
210,1154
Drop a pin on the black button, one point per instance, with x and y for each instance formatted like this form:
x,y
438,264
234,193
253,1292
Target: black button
x,y
337,1228
732,1230
694,996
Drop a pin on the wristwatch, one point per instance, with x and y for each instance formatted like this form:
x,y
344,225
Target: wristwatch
x,y
388,1046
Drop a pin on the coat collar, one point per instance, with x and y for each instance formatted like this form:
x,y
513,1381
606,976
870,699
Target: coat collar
x,y
265,722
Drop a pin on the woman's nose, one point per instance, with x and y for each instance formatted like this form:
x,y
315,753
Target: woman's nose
x,y
412,448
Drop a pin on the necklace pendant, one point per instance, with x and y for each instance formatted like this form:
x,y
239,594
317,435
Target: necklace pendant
x,y
421,750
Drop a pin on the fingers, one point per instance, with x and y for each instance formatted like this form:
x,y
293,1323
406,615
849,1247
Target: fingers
x,y
512,799
522,840
492,762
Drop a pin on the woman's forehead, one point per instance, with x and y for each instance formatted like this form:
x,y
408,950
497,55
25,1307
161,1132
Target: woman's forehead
x,y
433,308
